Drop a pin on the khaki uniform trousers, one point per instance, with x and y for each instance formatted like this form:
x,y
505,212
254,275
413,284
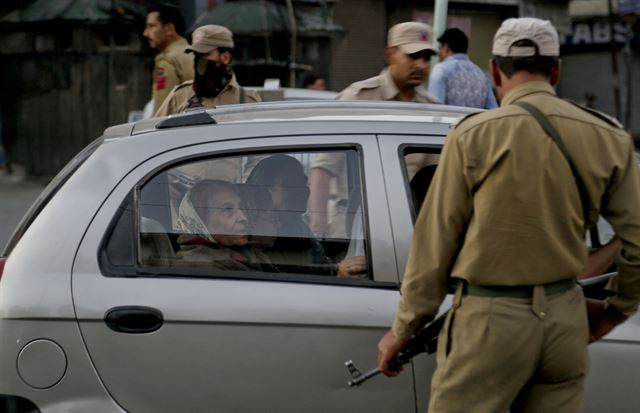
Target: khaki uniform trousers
x,y
502,354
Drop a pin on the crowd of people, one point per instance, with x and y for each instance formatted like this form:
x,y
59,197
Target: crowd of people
x,y
201,74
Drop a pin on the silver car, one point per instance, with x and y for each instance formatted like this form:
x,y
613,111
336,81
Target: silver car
x,y
232,260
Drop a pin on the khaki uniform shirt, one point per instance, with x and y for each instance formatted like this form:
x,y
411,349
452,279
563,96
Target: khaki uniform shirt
x,y
172,67
178,99
504,210
381,87
227,169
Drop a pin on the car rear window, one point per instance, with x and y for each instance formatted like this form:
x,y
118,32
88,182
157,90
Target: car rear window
x,y
296,213
50,190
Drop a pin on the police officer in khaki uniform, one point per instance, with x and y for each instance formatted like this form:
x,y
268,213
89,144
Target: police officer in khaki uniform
x,y
504,216
408,53
214,82
164,30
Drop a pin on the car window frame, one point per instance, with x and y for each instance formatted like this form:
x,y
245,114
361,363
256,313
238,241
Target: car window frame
x,y
136,271
402,152
399,193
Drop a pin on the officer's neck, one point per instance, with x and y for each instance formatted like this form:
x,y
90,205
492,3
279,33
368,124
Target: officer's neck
x,y
519,78
406,94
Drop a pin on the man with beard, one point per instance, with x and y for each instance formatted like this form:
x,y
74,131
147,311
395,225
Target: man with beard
x,y
214,82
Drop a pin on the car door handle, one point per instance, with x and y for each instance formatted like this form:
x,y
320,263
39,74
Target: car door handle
x,y
133,319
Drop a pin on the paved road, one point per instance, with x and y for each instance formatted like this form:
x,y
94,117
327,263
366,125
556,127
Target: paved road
x,y
16,196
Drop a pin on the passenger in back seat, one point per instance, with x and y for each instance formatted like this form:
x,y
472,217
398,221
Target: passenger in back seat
x,y
279,187
215,230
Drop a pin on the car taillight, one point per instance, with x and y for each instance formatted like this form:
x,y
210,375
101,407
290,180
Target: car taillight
x,y
2,261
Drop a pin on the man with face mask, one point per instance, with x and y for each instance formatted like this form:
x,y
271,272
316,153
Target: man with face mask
x,y
214,82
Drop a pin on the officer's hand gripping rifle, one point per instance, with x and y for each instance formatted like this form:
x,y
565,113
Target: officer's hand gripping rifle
x,y
425,341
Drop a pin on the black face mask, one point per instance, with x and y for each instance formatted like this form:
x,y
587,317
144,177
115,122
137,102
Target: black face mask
x,y
212,80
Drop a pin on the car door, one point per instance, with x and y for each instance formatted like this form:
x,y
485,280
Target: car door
x,y
167,337
409,162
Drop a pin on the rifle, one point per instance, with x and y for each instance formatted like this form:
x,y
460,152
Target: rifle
x,y
426,341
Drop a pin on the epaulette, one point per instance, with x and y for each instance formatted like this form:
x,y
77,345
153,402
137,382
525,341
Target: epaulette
x,y
370,83
462,119
609,119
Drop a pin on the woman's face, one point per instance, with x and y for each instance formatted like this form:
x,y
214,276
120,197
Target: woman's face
x,y
225,220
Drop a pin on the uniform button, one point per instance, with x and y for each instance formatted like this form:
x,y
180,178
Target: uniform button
x,y
542,314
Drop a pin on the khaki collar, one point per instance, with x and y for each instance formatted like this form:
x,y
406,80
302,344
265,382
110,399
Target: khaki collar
x,y
390,91
232,85
526,89
388,87
176,46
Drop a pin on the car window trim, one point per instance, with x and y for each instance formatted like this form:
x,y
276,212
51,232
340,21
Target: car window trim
x,y
402,152
109,270
197,273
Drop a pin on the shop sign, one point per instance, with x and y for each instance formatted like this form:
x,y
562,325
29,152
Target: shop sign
x,y
595,34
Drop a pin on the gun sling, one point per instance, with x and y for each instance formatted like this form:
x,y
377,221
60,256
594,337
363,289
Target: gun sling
x,y
582,189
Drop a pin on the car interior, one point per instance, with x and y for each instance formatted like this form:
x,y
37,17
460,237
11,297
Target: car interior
x,y
157,246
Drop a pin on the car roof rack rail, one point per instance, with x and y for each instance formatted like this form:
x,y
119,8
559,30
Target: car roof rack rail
x,y
187,119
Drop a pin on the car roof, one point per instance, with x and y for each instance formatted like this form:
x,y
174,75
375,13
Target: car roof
x,y
291,93
301,111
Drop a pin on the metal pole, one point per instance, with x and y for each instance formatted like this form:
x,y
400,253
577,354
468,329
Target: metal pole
x,y
294,41
440,12
615,77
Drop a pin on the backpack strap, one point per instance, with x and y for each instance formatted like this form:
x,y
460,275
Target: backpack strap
x,y
242,94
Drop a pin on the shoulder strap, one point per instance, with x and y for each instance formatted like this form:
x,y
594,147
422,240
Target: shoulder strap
x,y
582,189
608,119
242,94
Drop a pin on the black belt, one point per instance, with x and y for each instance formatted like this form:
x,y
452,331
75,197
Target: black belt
x,y
518,291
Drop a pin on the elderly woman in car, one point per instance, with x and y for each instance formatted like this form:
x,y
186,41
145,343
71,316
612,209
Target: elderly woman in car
x,y
215,229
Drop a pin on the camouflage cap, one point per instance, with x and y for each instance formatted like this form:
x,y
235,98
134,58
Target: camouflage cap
x,y
540,32
411,37
206,38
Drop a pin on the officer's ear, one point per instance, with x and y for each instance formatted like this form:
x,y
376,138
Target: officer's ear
x,y
225,57
388,55
170,29
555,73
495,73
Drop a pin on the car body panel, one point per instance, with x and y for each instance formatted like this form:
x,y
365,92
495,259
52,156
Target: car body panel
x,y
222,335
612,381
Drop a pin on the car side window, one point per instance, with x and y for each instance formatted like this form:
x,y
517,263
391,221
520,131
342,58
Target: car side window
x,y
254,213
420,166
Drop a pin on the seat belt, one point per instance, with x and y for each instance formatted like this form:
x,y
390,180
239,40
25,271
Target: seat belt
x,y
582,189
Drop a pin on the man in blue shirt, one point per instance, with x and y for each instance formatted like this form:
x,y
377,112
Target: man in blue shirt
x,y
457,80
